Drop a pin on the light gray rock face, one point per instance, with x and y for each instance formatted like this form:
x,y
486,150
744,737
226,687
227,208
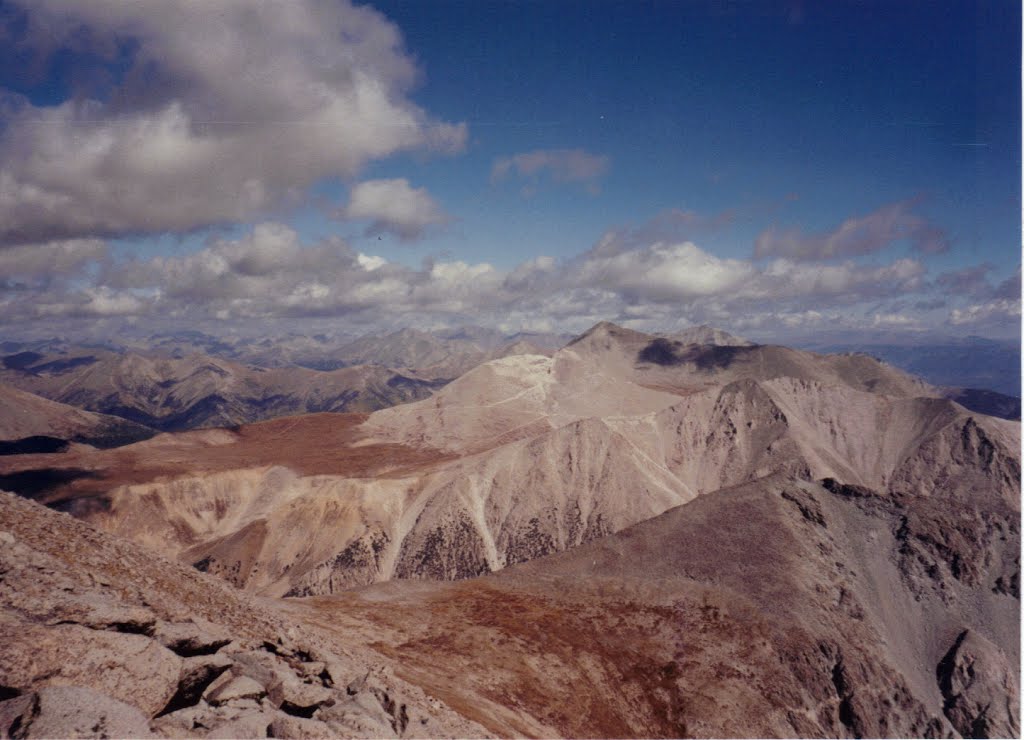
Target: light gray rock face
x,y
359,716
247,723
130,668
238,687
298,728
70,711
979,687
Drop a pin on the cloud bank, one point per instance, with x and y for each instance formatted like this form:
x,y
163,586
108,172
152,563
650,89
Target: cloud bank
x,y
269,274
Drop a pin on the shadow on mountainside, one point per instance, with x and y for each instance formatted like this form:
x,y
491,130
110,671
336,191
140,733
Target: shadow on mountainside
x,y
706,357
34,484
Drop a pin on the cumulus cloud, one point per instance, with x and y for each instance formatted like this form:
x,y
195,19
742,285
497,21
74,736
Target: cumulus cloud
x,y
370,262
848,282
269,274
393,206
560,165
659,272
682,273
215,113
856,236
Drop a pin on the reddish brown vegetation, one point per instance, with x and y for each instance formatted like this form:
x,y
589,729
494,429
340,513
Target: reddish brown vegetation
x,y
312,444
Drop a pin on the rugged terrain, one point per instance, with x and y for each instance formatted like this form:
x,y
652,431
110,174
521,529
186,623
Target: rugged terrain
x,y
860,615
174,394
776,608
969,362
519,458
636,536
104,639
435,355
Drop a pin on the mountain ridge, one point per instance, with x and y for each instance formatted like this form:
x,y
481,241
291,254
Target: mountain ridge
x,y
529,455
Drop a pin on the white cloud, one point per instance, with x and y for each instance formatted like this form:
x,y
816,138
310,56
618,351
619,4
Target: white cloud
x,y
561,165
660,272
894,321
393,206
370,262
226,109
845,282
102,301
1001,310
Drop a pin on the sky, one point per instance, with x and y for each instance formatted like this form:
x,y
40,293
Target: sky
x,y
783,170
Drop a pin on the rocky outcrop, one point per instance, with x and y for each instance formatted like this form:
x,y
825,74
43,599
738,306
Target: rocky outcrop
x,y
980,688
130,668
70,711
104,639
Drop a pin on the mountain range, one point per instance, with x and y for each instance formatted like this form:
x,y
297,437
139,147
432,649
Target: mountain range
x,y
173,394
636,535
158,384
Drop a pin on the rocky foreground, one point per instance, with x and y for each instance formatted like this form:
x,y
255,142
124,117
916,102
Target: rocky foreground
x,y
102,639
777,608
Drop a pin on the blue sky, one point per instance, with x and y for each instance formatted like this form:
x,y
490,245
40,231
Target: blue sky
x,y
779,169
847,106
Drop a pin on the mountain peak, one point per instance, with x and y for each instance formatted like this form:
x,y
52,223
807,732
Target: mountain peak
x,y
605,329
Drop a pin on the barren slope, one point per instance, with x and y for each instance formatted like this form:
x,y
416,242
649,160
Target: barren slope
x,y
277,515
745,430
512,398
778,608
673,364
26,415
